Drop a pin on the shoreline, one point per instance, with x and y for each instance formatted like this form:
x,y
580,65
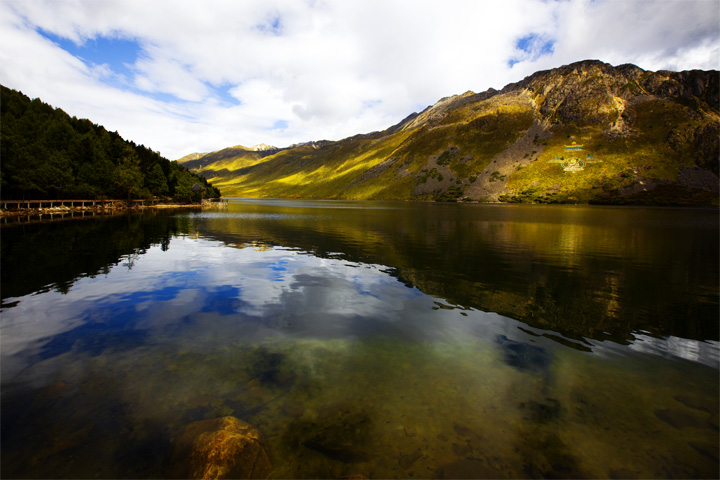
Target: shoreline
x,y
115,207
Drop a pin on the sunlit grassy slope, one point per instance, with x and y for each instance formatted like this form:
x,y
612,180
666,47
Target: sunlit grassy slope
x,y
647,137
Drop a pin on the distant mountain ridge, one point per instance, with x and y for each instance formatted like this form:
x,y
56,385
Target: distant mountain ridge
x,y
197,161
587,132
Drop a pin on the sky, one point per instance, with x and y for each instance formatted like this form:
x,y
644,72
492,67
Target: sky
x,y
181,76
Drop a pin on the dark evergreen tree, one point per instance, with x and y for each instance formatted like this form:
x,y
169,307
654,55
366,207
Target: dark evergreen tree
x,y
46,154
156,182
127,174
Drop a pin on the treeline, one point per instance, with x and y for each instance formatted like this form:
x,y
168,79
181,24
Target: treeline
x,y
46,154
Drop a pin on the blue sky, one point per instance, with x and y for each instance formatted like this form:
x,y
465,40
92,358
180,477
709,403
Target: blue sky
x,y
119,53
184,76
532,46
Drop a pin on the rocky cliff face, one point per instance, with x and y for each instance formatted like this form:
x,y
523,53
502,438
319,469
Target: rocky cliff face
x,y
582,133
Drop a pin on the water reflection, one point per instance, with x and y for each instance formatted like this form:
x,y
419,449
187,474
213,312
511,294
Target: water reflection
x,y
357,344
262,289
43,256
584,272
692,350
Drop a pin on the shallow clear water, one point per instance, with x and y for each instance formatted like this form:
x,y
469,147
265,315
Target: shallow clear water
x,y
382,339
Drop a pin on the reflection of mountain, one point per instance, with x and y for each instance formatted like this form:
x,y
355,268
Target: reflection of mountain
x,y
597,273
583,272
54,255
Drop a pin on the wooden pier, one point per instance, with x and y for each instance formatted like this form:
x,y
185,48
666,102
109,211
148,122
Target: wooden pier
x,y
41,216
38,204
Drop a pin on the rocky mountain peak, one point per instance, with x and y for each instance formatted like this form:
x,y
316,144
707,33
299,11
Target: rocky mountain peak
x,y
261,147
591,91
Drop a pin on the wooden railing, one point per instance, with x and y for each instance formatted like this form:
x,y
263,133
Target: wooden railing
x,y
29,204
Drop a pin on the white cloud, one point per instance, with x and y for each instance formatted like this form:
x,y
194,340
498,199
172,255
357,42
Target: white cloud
x,y
326,69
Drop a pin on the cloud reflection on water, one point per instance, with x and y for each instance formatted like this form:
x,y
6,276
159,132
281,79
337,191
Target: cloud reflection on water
x,y
262,332
271,292
262,292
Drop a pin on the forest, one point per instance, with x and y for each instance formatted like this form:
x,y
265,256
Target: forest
x,y
46,154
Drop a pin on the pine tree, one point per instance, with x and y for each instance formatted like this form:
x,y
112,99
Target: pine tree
x,y
127,175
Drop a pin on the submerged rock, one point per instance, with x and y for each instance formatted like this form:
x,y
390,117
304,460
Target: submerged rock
x,y
696,403
709,450
523,356
407,461
220,448
538,412
680,419
341,453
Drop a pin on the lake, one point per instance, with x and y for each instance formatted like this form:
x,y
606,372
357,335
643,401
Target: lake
x,y
383,339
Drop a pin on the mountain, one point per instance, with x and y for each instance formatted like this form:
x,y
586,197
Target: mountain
x,y
46,154
587,132
263,148
231,158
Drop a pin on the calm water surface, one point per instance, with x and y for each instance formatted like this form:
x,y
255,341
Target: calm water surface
x,y
382,339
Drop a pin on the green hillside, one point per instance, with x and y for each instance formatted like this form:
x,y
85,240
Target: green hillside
x,y
583,133
46,154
